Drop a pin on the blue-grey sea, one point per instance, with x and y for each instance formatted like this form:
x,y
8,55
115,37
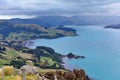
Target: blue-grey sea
x,y
100,46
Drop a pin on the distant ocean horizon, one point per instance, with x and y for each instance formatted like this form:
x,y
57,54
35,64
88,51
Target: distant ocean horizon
x,y
99,45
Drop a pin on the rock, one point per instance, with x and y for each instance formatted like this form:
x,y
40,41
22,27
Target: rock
x,y
55,77
44,78
79,57
71,55
39,77
28,69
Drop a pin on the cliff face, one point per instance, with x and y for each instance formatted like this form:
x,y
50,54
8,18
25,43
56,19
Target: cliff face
x,y
67,75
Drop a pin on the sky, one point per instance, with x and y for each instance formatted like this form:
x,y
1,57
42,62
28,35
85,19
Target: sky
x,y
9,8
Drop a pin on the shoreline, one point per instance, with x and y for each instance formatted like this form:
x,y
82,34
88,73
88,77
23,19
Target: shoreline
x,y
31,40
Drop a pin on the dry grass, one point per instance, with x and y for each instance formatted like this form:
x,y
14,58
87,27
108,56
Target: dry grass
x,y
43,71
26,55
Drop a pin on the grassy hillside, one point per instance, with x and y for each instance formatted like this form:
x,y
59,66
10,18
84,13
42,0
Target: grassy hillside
x,y
43,57
19,32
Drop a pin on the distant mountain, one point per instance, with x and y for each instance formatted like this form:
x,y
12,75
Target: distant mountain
x,y
49,21
16,31
46,21
113,26
49,26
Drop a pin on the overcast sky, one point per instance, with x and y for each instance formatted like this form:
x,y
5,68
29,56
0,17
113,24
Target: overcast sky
x,y
59,7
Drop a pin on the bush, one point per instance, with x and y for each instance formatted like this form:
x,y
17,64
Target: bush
x,y
8,70
17,63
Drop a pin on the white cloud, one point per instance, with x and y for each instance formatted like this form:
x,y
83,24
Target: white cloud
x,y
31,4
16,16
113,9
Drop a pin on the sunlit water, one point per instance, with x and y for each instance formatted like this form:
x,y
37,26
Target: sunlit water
x,y
100,46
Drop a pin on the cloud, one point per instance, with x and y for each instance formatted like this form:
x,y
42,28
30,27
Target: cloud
x,y
30,4
113,8
54,7
15,16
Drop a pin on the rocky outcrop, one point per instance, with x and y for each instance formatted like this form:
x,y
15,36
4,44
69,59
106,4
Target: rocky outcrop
x,y
71,55
28,69
67,75
57,75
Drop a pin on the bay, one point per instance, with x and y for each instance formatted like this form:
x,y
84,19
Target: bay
x,y
100,46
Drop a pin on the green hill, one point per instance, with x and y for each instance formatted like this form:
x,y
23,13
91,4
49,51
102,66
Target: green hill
x,y
19,32
41,56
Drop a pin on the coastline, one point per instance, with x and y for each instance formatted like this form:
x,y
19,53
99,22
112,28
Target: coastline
x,y
28,42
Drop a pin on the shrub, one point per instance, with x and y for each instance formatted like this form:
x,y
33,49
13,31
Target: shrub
x,y
8,70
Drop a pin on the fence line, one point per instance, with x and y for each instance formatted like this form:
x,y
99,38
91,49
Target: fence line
x,y
23,74
2,73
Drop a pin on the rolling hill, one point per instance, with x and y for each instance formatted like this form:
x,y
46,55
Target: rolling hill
x,y
19,32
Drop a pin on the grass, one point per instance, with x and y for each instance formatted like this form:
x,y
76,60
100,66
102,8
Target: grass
x,y
49,60
31,77
18,77
43,71
29,62
4,61
12,52
1,36
25,55
51,33
20,36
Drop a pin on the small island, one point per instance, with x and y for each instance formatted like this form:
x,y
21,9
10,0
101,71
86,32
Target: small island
x,y
71,55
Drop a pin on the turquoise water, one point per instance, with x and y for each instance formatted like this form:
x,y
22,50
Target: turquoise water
x,y
100,46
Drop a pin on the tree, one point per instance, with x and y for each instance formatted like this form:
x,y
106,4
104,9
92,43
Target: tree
x,y
17,63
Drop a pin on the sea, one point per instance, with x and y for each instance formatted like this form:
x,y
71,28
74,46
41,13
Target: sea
x,y
99,45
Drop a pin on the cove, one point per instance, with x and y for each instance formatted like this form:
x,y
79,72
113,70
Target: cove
x,y
100,46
